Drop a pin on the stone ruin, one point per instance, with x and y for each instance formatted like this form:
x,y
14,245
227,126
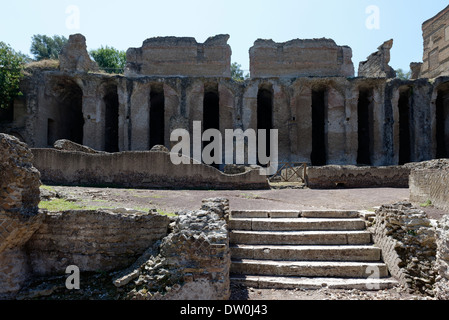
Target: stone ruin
x,y
148,255
304,88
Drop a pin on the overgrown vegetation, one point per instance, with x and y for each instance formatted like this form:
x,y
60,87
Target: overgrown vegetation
x,y
109,59
11,66
403,75
237,73
45,47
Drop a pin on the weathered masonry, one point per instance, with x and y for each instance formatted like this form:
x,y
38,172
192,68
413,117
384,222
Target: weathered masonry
x,y
306,89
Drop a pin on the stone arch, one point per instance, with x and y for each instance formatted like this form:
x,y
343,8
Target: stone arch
x,y
67,114
110,103
442,120
318,156
157,115
404,103
265,98
365,105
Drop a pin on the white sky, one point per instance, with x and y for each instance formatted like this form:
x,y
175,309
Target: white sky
x,y
124,24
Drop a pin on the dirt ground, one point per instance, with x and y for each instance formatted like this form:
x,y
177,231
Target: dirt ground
x,y
171,201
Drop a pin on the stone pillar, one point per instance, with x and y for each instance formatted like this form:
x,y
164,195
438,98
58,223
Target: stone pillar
x,y
140,117
301,132
335,127
351,125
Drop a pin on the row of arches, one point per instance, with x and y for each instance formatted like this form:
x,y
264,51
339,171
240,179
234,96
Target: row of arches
x,y
67,121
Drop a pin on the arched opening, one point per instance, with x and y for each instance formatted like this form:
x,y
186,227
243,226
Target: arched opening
x,y
364,117
442,122
318,156
7,114
111,119
404,126
51,132
211,112
67,120
157,116
265,114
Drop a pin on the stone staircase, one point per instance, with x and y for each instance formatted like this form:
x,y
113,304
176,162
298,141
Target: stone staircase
x,y
305,249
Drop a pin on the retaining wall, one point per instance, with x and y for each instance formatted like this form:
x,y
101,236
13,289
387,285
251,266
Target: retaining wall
x,y
137,169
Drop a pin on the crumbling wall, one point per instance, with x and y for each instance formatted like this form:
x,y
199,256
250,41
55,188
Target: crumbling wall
x,y
67,145
191,263
429,181
300,58
74,55
136,170
436,50
442,260
376,66
19,215
93,240
357,177
408,242
180,56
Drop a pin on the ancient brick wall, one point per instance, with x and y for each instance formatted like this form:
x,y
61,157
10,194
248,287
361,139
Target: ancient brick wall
x,y
93,240
436,45
408,242
19,215
430,185
442,260
173,56
137,170
191,263
299,58
357,177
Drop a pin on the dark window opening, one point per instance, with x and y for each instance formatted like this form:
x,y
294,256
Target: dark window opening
x,y
111,120
211,115
442,124
364,139
404,127
157,116
71,126
265,115
51,132
7,114
318,156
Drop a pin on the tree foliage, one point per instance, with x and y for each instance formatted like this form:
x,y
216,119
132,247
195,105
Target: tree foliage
x,y
237,72
109,59
11,65
45,47
402,75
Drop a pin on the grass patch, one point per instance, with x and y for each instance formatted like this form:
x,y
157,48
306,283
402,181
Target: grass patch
x,y
249,196
426,204
159,211
48,188
56,205
168,214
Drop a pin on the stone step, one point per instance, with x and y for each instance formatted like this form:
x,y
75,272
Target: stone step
x,y
294,214
306,253
270,282
310,268
298,224
300,237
